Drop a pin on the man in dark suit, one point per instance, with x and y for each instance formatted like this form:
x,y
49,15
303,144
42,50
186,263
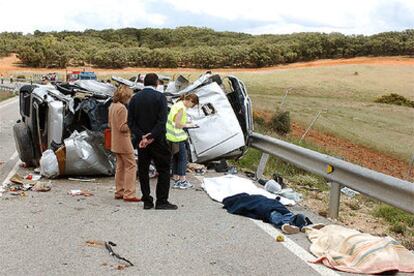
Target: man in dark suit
x,y
147,117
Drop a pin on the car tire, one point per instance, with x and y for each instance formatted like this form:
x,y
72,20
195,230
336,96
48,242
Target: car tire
x,y
24,143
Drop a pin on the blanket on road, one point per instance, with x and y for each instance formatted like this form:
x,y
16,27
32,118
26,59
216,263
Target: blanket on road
x,y
221,187
352,251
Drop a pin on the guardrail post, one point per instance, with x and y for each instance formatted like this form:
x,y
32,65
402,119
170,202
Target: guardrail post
x,y
262,165
334,199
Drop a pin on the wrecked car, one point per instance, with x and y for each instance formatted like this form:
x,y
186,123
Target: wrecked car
x,y
70,118
224,115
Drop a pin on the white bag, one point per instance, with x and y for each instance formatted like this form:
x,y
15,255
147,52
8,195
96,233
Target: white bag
x,y
49,166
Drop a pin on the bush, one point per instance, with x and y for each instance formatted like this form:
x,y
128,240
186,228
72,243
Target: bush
x,y
400,221
280,122
196,47
111,58
395,99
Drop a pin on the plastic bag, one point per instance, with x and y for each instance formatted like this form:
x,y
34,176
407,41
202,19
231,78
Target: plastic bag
x,y
49,166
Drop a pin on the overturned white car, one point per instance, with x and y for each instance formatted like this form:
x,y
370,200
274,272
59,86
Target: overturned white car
x,y
70,119
224,115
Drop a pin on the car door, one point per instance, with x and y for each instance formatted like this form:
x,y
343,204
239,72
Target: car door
x,y
219,131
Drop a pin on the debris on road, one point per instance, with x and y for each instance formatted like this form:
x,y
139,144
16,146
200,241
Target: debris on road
x,y
79,193
85,155
232,170
280,238
42,187
49,166
95,243
17,179
34,177
349,192
82,179
18,193
198,169
275,187
108,246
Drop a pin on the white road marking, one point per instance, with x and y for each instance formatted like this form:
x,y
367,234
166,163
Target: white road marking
x,y
290,245
9,102
13,156
11,173
295,249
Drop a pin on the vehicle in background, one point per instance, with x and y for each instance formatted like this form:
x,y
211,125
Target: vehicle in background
x,y
80,75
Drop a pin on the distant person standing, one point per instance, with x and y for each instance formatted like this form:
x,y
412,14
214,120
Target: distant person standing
x,y
126,167
147,118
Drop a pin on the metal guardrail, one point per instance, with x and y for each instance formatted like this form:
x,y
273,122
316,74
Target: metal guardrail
x,y
388,189
6,88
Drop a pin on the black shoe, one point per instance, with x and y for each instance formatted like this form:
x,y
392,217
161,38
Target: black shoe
x,y
148,205
166,206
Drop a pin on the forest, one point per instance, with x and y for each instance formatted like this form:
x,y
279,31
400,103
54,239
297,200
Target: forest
x,y
194,47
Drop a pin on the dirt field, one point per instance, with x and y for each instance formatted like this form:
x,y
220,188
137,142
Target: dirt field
x,y
350,151
12,64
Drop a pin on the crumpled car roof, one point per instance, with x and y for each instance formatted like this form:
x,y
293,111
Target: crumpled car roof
x,y
96,87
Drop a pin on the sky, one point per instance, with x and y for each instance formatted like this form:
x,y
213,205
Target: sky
x,y
254,17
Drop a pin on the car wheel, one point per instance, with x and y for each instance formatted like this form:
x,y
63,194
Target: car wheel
x,y
24,143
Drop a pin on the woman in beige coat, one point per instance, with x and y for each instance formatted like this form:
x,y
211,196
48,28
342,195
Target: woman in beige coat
x,y
121,145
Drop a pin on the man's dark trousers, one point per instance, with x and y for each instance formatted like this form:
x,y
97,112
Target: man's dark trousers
x,y
160,153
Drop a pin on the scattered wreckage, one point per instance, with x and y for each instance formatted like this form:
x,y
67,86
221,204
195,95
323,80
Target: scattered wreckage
x,y
62,125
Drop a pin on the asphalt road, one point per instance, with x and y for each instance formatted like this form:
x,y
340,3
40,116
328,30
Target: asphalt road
x,y
9,113
46,233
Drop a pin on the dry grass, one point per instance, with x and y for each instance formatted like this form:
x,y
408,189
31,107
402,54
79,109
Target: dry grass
x,y
5,95
347,101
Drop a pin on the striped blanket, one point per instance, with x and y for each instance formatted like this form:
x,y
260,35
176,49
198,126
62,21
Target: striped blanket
x,y
352,251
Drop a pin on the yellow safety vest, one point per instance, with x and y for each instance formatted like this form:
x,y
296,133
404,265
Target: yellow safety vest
x,y
176,134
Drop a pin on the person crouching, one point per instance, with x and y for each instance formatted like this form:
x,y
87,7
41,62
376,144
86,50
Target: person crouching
x,y
121,145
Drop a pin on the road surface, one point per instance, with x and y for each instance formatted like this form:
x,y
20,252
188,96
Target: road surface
x,y
46,233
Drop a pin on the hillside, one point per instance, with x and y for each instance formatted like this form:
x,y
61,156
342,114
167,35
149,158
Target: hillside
x,y
194,48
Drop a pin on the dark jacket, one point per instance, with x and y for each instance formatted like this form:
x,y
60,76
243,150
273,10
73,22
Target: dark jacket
x,y
147,113
253,206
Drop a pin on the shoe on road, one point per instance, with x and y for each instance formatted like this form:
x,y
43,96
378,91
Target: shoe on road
x,y
176,184
184,185
166,206
132,199
290,229
148,205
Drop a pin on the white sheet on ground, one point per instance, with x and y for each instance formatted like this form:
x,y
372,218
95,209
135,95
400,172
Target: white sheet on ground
x,y
221,187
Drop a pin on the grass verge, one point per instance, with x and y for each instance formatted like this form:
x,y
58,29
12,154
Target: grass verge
x,y
5,95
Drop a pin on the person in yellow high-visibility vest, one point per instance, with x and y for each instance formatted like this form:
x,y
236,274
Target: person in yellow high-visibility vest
x,y
176,121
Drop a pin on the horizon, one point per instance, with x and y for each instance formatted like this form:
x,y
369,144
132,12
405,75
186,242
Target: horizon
x,y
201,27
261,17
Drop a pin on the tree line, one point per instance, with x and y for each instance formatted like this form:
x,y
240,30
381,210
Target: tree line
x,y
194,47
